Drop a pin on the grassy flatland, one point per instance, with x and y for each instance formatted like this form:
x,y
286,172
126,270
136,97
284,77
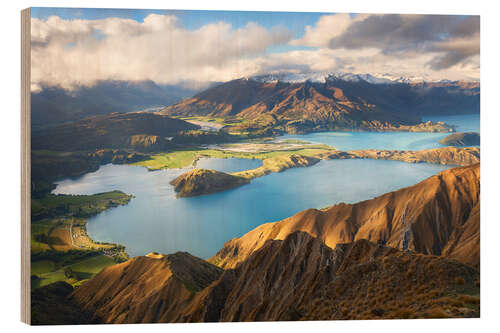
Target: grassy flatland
x,y
185,158
93,265
218,120
61,250
82,270
42,266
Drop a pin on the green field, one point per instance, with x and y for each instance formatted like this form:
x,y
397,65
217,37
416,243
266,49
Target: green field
x,y
84,269
40,228
53,205
218,120
42,266
59,241
185,158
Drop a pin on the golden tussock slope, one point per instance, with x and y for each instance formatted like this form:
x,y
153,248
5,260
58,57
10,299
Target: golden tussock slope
x,y
135,290
439,215
298,278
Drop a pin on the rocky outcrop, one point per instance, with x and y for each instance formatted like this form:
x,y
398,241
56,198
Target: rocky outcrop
x,y
117,156
462,139
201,181
144,142
439,215
297,278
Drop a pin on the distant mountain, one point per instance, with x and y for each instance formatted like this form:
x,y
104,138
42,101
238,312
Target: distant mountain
x,y
339,102
439,216
142,131
322,77
54,105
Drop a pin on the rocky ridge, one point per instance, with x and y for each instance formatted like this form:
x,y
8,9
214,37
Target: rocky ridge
x,y
439,216
297,278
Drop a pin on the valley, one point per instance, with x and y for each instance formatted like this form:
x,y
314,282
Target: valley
x,y
198,203
257,158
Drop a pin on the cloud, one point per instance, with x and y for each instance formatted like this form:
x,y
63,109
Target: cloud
x,y
368,60
454,51
80,52
69,53
452,39
327,27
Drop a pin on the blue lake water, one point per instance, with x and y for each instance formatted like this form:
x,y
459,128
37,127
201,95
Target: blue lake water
x,y
392,140
155,220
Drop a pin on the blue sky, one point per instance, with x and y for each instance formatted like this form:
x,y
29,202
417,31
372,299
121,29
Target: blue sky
x,y
194,19
138,45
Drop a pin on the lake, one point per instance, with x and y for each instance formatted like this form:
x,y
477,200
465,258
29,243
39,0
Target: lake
x,y
392,140
155,220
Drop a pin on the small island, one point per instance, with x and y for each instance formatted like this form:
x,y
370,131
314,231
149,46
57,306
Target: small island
x,y
461,139
202,181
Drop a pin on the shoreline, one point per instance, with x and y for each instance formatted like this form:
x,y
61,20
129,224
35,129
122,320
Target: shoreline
x,y
61,249
291,154
453,156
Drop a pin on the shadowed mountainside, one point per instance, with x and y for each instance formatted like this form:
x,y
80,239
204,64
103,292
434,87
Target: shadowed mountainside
x,y
50,306
52,105
143,131
439,215
333,105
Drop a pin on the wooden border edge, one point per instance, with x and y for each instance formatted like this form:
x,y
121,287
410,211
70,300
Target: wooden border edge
x,y
25,165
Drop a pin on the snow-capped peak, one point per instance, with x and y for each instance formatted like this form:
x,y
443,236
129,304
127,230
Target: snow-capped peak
x,y
331,76
291,77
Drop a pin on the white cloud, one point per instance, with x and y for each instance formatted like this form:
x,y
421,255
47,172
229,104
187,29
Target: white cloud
x,y
446,41
363,61
79,52
327,27
68,53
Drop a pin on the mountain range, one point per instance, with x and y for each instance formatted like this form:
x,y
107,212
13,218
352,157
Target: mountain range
x,y
284,101
339,102
55,105
298,278
376,78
